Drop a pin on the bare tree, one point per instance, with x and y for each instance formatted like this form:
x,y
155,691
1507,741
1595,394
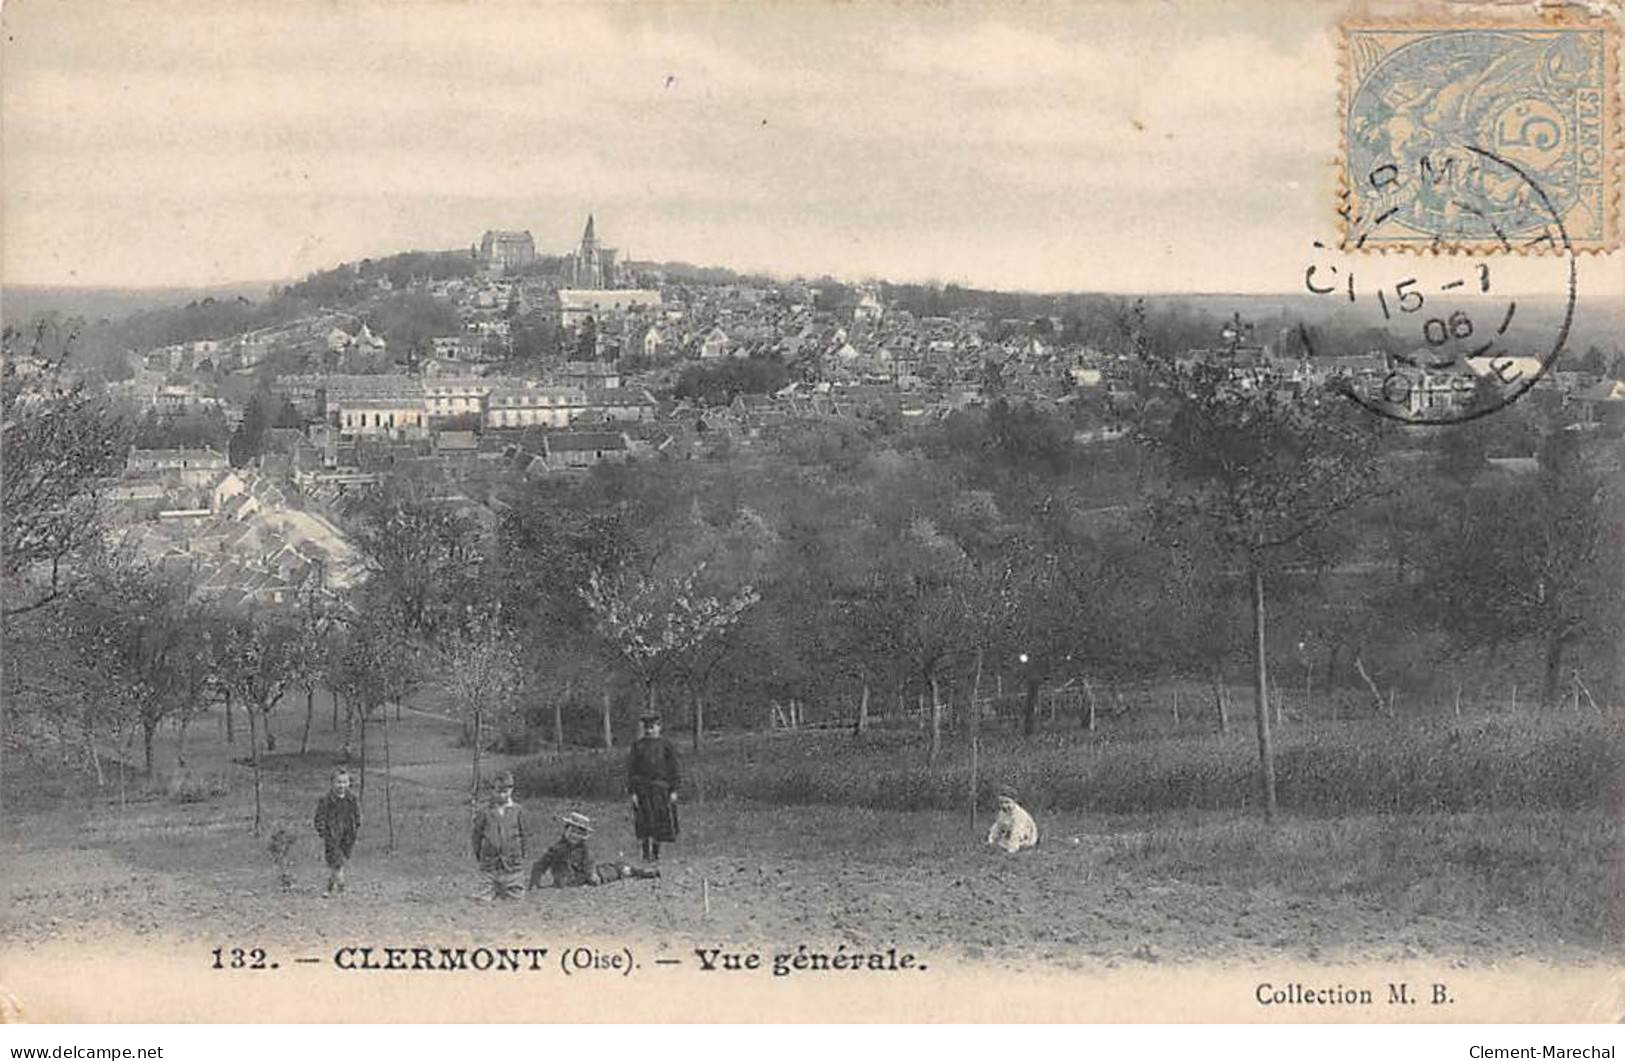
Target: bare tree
x,y
481,670
256,661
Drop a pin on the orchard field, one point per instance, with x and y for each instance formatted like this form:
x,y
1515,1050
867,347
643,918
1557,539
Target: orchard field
x,y
1149,852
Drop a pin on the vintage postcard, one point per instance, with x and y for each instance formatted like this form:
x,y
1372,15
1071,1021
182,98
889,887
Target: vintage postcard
x,y
556,512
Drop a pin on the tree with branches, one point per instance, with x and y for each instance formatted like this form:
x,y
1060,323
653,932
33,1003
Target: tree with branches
x,y
480,668
256,662
1257,466
652,620
61,443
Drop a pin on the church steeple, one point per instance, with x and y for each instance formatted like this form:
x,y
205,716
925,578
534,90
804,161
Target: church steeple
x,y
590,268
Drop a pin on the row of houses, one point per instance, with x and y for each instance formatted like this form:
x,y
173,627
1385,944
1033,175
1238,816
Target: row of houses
x,y
406,407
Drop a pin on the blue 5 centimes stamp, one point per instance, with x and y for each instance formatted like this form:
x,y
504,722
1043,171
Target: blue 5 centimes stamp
x,y
1481,136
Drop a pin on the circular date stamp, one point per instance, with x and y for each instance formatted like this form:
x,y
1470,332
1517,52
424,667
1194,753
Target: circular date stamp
x,y
1458,345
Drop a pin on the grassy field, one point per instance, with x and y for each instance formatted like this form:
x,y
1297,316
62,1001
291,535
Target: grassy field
x,y
1484,764
826,838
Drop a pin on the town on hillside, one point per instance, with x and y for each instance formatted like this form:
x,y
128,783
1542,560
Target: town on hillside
x,y
468,370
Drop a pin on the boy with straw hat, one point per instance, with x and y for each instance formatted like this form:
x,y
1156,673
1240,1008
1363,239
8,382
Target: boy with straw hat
x,y
572,865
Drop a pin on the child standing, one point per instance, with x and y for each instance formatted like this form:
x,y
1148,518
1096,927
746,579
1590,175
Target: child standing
x,y
499,842
338,819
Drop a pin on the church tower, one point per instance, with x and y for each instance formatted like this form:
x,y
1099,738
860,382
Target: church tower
x,y
589,271
593,268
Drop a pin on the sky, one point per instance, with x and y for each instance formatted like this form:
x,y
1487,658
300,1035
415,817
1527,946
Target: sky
x,y
1112,146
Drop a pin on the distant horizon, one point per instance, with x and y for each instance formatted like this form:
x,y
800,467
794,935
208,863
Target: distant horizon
x,y
849,282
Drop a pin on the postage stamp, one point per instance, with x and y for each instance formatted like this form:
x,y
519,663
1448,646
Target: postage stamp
x,y
1425,103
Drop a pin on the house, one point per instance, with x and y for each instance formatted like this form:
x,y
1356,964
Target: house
x,y
1604,403
457,442
869,310
1507,370
449,396
651,343
192,467
576,305
399,418
584,449
229,486
532,406
715,344
590,375
457,347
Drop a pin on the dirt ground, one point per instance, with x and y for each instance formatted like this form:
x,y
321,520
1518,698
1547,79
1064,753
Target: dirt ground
x,y
78,871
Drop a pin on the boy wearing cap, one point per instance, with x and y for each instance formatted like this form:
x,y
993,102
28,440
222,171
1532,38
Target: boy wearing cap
x,y
499,841
652,777
338,819
572,865
1013,828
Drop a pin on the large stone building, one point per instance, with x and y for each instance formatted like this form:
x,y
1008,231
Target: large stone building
x,y
509,250
533,406
394,418
194,467
576,305
592,266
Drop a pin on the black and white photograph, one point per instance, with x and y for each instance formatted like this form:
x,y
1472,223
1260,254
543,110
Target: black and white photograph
x,y
698,512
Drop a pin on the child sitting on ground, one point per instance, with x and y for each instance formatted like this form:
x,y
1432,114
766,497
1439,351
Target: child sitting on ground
x,y
571,864
1013,828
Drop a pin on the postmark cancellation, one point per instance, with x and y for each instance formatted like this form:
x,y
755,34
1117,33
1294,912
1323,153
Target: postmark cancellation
x,y
1426,103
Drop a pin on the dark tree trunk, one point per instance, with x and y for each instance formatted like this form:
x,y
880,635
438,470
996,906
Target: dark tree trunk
x,y
389,802
1266,750
310,711
479,740
270,738
1029,708
699,719
180,747
1553,673
975,713
349,725
147,730
254,759
936,718
231,726
609,731
558,723
361,720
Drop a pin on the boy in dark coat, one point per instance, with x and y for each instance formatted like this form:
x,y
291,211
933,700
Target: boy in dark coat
x,y
652,777
499,842
572,865
338,819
